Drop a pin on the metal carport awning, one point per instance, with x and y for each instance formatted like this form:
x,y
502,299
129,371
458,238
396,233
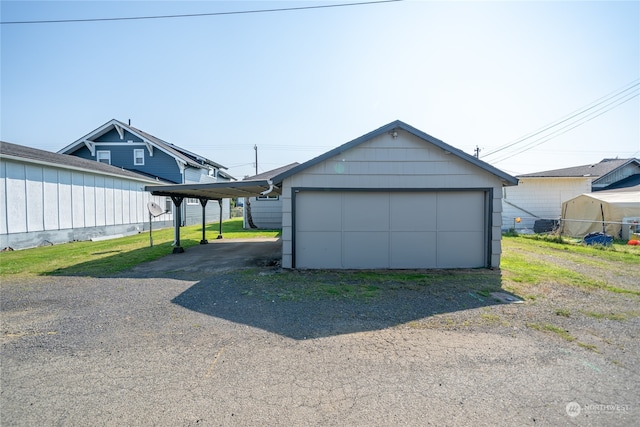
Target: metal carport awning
x,y
216,190
211,191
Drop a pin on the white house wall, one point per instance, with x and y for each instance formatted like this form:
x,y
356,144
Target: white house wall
x,y
40,204
539,198
197,176
406,162
266,213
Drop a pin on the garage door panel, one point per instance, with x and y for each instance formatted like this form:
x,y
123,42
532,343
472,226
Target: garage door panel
x,y
461,211
319,211
318,249
413,249
460,249
438,229
413,211
365,212
365,249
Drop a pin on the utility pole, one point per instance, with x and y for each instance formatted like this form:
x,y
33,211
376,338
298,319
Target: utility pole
x,y
255,147
477,152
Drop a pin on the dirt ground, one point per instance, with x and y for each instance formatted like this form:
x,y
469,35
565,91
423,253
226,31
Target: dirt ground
x,y
201,338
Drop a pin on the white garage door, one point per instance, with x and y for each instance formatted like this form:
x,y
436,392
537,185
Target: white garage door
x,y
390,229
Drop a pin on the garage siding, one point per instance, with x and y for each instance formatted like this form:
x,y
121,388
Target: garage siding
x,y
382,229
387,164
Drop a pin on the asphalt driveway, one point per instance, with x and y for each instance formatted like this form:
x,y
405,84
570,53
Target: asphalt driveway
x,y
206,338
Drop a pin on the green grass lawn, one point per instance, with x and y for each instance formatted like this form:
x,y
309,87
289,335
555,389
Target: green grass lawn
x,y
111,256
520,265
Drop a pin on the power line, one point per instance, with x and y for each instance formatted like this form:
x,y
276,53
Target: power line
x,y
565,129
629,86
193,15
270,147
568,127
578,112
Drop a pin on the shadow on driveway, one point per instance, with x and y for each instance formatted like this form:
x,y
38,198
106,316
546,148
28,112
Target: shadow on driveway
x,y
313,304
240,281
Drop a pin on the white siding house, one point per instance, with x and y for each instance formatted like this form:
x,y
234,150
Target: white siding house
x,y
48,198
538,198
540,195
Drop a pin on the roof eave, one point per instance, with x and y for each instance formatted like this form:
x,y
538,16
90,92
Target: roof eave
x,y
77,168
603,176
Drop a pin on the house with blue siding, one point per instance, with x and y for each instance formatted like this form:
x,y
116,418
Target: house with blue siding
x,y
122,145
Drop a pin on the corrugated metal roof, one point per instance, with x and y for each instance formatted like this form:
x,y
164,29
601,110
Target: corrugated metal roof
x,y
218,190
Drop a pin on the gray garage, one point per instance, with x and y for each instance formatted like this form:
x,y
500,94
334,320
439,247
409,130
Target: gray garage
x,y
394,198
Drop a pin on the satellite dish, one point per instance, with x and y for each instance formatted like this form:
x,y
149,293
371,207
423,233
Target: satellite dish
x,y
154,209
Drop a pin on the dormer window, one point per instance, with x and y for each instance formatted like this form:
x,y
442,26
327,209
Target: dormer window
x,y
138,157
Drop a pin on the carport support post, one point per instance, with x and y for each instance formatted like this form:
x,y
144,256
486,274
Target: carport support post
x,y
150,230
203,202
177,200
220,232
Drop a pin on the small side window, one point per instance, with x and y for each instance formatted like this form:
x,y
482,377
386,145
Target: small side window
x,y
138,157
103,156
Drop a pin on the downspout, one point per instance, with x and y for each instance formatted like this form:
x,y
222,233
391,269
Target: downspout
x,y
264,193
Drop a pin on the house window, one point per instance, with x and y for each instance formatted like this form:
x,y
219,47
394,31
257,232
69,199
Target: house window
x,y
268,198
192,201
103,156
168,203
138,157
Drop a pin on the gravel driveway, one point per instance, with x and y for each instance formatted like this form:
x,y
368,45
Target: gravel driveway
x,y
195,339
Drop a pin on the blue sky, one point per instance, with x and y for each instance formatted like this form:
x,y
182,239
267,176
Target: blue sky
x,y
299,83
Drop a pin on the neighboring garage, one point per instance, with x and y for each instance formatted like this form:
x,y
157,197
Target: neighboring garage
x,y
394,198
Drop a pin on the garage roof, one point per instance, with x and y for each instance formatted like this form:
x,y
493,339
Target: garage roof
x,y
254,187
395,125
